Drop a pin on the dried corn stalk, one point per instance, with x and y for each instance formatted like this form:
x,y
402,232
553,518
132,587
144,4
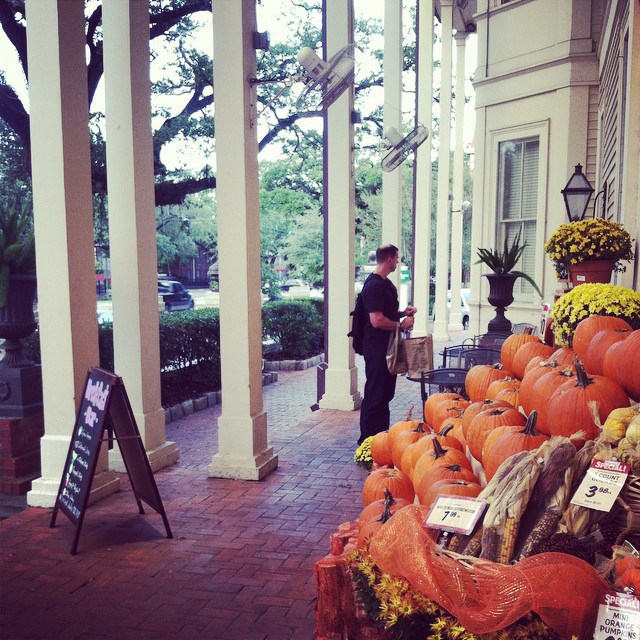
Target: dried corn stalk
x,y
550,497
503,515
471,544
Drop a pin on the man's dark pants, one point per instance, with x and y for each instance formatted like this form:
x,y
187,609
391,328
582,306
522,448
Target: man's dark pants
x,y
379,389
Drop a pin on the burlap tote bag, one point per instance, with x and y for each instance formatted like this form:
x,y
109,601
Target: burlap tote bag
x,y
396,360
419,355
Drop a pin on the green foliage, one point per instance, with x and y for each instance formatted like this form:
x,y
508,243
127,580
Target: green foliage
x,y
501,262
17,247
296,325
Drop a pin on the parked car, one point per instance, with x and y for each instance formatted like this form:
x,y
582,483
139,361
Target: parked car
x,y
465,295
172,296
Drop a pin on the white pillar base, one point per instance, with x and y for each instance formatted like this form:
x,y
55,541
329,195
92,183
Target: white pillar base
x,y
45,491
440,333
163,456
455,322
336,383
242,468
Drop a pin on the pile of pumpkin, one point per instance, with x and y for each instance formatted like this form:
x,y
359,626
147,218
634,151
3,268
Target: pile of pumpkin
x,y
535,392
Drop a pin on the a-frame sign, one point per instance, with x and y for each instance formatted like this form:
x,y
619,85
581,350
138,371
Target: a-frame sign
x,y
104,407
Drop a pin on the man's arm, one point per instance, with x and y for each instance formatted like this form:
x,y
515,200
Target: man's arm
x,y
380,321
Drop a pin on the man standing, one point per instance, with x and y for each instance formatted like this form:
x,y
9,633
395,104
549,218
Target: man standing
x,y
380,298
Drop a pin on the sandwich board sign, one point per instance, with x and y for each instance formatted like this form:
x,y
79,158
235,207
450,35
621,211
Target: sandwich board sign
x,y
104,408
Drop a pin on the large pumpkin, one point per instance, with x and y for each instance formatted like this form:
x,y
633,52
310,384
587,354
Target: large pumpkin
x,y
525,439
480,376
433,400
404,439
542,390
485,422
380,450
511,345
562,356
445,409
374,510
569,411
475,408
593,359
526,352
377,481
589,327
450,488
404,425
453,429
500,385
527,401
630,354
413,452
436,456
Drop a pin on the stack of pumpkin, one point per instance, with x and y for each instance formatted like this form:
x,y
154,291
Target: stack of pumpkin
x,y
582,395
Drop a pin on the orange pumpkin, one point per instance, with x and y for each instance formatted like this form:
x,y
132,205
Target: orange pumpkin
x,y
511,345
527,351
527,401
369,527
435,456
510,395
562,356
612,364
380,450
404,439
494,435
589,327
630,354
487,421
397,428
499,385
453,428
475,408
542,390
450,488
480,376
445,409
433,400
594,357
525,439
568,409
413,452
374,510
377,481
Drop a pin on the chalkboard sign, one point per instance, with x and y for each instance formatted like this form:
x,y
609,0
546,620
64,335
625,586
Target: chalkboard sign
x,y
104,406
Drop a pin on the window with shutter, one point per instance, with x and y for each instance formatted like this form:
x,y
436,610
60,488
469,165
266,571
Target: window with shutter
x,y
517,202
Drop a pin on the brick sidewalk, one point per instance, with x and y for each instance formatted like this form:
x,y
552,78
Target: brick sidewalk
x,y
240,565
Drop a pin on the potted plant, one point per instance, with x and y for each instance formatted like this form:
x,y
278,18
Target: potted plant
x,y
17,284
592,299
592,245
501,281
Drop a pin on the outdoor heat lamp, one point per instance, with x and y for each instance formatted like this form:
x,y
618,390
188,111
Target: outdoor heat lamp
x,y
577,194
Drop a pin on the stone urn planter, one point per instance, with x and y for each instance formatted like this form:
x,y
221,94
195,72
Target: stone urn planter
x,y
500,297
17,320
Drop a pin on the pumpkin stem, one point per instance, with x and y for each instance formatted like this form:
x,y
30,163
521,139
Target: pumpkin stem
x,y
582,379
421,428
529,428
388,497
409,414
454,467
438,448
445,430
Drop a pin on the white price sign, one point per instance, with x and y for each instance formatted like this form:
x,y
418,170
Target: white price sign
x,y
601,484
457,514
618,617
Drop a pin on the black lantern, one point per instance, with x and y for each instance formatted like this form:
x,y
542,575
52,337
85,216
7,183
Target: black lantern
x,y
577,194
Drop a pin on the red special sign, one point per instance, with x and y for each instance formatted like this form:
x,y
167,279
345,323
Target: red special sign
x,y
611,465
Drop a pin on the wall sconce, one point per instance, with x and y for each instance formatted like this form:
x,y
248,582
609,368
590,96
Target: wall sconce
x,y
577,194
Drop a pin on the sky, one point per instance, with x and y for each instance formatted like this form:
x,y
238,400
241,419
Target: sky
x,y
267,21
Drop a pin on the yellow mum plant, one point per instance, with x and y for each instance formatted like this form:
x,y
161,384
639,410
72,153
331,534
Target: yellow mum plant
x,y
593,300
590,239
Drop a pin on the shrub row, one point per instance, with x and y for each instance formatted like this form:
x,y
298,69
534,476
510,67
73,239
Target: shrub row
x,y
190,344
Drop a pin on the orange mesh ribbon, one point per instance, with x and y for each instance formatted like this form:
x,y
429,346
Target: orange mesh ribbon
x,y
485,596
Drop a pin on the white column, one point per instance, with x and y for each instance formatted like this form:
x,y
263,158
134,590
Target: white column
x,y
243,451
63,214
132,222
457,215
440,332
392,117
341,377
422,173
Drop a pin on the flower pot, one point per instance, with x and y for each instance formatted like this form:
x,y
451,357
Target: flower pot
x,y
17,320
591,271
500,296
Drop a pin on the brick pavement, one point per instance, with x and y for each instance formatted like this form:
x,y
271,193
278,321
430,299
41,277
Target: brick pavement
x,y
240,565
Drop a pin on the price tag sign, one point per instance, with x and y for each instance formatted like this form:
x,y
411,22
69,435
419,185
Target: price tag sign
x,y
618,617
457,514
601,485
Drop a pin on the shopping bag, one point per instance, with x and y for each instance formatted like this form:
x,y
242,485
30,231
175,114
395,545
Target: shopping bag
x,y
396,360
419,355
